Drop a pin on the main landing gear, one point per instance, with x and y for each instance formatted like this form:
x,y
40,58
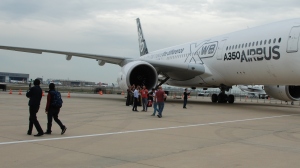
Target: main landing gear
x,y
222,97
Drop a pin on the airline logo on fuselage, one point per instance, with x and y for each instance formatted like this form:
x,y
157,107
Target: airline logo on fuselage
x,y
254,54
204,49
174,51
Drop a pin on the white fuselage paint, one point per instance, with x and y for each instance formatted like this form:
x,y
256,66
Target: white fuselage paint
x,y
265,55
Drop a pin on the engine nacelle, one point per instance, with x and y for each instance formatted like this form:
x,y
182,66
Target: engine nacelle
x,y
286,93
138,73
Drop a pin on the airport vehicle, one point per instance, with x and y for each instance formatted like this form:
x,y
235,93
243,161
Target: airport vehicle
x,y
266,55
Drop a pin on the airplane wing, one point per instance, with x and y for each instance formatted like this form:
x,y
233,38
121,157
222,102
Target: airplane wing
x,y
255,90
159,65
101,58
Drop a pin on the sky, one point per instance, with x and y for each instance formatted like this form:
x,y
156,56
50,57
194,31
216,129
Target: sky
x,y
109,27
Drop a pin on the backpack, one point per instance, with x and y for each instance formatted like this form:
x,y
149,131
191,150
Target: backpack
x,y
56,100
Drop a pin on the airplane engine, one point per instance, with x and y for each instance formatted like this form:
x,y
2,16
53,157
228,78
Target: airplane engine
x,y
285,93
138,73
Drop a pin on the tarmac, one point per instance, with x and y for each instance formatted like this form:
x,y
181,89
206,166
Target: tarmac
x,y
104,133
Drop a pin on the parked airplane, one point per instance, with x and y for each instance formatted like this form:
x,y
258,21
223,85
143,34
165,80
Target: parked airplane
x,y
254,90
266,55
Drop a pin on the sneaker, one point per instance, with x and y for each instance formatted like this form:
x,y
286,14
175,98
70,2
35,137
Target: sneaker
x,y
158,116
63,130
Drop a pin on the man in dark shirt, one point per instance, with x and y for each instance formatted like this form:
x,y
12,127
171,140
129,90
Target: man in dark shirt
x,y
52,112
129,92
185,97
35,95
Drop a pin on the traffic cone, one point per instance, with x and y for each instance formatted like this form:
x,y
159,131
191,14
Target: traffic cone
x,y
10,92
69,95
20,92
43,93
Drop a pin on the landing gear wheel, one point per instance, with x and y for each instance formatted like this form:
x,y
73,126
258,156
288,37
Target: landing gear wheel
x,y
231,99
214,98
222,98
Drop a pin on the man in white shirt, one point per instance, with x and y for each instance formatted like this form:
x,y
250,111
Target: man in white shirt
x,y
136,98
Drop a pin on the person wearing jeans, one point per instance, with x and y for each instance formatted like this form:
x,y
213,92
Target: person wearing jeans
x,y
154,102
160,95
144,93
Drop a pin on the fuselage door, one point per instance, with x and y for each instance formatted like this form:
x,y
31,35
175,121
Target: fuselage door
x,y
292,45
220,49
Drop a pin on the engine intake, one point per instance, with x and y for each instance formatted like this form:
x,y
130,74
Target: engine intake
x,y
286,93
138,73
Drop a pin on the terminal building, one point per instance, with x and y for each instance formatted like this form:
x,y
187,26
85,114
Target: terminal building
x,y
13,77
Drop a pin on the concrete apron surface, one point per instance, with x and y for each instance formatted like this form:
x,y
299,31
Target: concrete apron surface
x,y
103,132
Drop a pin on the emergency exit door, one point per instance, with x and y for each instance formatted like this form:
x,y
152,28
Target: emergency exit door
x,y
293,40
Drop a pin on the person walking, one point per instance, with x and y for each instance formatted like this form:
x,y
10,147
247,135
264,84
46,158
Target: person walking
x,y
35,95
144,94
52,111
136,98
154,99
131,95
160,95
185,97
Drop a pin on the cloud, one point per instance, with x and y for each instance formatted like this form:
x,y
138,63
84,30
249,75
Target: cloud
x,y
109,27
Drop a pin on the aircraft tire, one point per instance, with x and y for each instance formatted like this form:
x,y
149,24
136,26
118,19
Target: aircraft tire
x,y
214,98
222,98
231,99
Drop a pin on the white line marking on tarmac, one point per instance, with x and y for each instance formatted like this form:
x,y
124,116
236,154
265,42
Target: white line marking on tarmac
x,y
144,130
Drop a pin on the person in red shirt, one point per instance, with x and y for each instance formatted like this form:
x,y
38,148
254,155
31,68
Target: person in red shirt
x,y
160,96
144,93
52,112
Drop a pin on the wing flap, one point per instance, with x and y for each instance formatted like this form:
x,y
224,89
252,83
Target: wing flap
x,y
173,67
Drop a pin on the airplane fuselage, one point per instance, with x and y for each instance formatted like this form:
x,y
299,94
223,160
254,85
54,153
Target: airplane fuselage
x,y
265,55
